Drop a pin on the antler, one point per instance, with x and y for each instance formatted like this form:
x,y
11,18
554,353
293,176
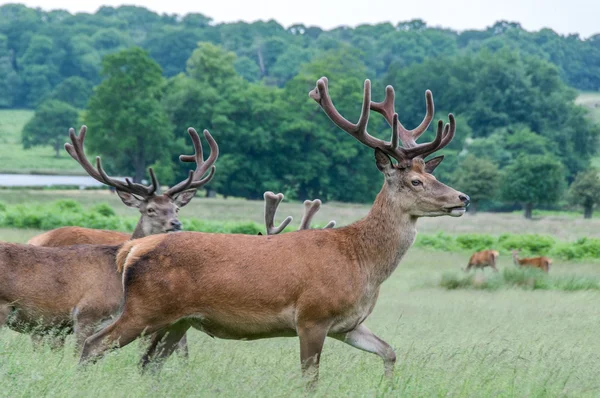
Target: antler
x,y
271,203
410,149
76,151
311,207
195,179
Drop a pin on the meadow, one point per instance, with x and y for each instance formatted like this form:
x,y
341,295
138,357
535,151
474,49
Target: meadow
x,y
467,342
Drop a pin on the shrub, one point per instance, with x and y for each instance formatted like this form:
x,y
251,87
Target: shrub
x,y
439,241
475,242
104,209
529,243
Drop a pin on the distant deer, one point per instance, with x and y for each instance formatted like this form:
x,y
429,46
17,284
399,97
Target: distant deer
x,y
542,263
74,288
311,283
486,258
311,207
158,212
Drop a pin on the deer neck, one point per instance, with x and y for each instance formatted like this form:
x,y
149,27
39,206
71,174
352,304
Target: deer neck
x,y
383,237
139,232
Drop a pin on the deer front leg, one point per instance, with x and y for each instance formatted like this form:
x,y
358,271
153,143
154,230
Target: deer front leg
x,y
312,338
363,339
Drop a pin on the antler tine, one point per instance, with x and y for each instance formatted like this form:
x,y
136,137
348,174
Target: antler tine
x,y
447,136
271,203
311,207
202,166
76,151
410,148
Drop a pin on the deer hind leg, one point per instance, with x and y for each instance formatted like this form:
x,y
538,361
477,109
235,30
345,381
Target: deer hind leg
x,y
85,322
163,343
121,332
363,339
312,339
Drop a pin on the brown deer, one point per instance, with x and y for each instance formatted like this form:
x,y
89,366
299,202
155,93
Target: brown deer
x,y
311,283
542,262
482,259
74,288
311,207
158,212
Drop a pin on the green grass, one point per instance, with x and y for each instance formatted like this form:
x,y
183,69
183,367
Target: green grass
x,y
509,341
15,159
462,343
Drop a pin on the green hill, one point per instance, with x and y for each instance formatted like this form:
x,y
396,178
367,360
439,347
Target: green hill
x,y
14,159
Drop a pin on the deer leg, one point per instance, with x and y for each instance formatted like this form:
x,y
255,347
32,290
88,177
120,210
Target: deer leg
x,y
84,324
121,332
163,344
312,339
182,347
363,339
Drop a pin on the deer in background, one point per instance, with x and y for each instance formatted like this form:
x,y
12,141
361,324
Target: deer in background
x,y
311,207
542,262
158,211
482,259
311,283
74,288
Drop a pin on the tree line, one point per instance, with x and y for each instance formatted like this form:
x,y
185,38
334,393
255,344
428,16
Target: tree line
x,y
521,140
47,53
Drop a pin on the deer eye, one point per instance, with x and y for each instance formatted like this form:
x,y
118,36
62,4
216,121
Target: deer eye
x,y
416,182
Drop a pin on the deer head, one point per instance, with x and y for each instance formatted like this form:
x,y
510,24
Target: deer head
x,y
158,211
409,185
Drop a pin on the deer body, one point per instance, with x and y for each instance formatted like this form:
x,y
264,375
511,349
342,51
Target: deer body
x,y
482,259
542,262
74,288
310,283
52,288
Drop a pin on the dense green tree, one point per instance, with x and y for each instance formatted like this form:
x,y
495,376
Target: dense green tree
x,y
127,124
585,191
533,180
50,125
479,178
75,91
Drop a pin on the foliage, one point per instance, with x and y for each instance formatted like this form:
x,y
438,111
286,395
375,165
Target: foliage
x,y
479,177
49,125
130,130
585,190
533,180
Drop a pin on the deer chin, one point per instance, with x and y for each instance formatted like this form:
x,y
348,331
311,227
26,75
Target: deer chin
x,y
456,211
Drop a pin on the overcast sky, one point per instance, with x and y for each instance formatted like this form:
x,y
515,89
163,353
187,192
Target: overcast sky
x,y
563,16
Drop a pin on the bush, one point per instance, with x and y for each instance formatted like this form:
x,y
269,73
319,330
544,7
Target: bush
x,y
439,241
529,243
475,242
104,209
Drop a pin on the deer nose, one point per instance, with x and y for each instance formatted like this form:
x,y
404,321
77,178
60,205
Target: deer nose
x,y
176,224
465,199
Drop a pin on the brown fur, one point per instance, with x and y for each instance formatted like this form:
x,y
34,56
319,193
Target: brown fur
x,y
542,262
482,259
40,285
68,236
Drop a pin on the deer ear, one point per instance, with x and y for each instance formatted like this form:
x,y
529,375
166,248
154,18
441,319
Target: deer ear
x,y
432,163
130,199
183,198
383,162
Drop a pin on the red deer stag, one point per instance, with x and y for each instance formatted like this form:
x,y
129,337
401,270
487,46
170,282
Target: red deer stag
x,y
158,212
311,207
486,258
76,287
311,283
542,263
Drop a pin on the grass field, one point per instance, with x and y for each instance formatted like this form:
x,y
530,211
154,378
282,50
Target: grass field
x,y
449,343
465,343
14,159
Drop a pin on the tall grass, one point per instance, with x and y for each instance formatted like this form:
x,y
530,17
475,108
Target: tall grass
x,y
524,278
